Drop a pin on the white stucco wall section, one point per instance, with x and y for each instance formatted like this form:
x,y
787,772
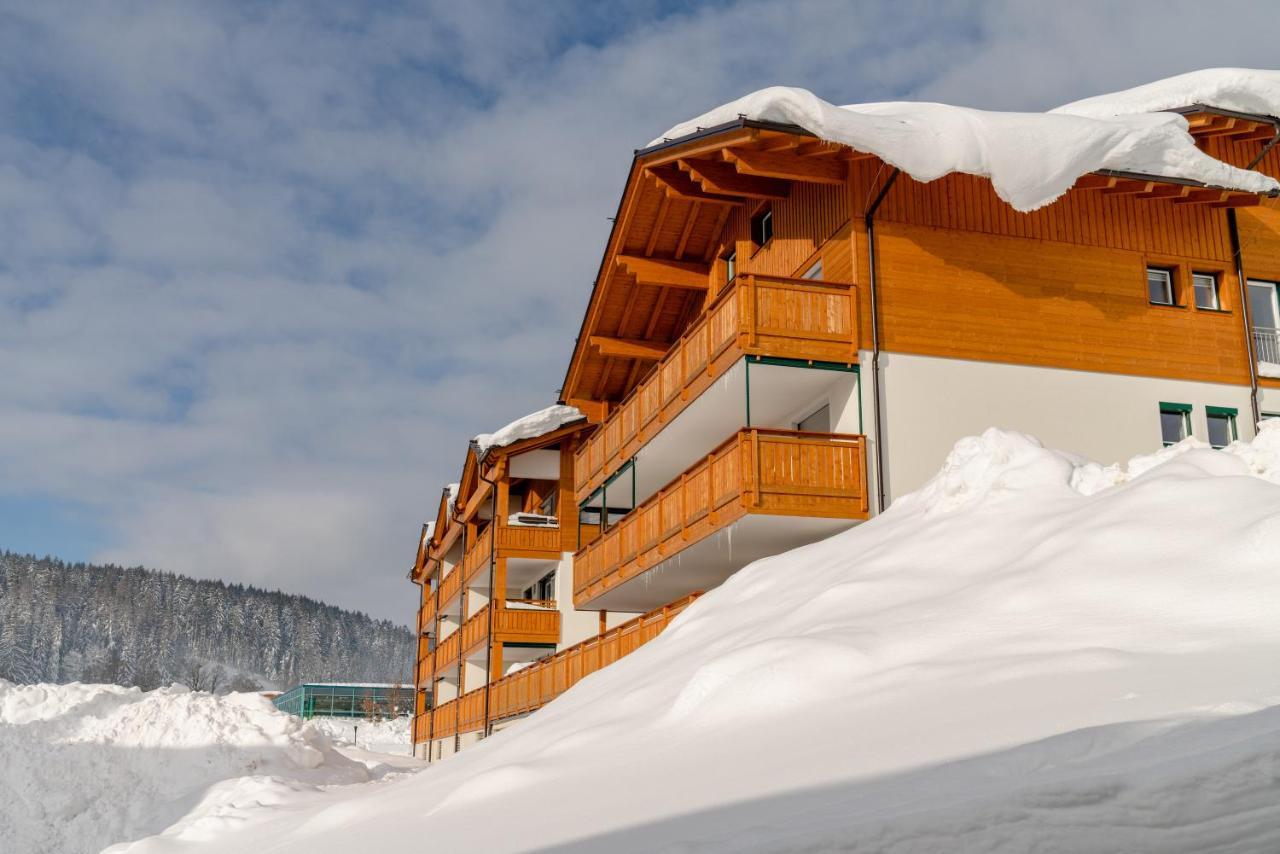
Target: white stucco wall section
x,y
929,403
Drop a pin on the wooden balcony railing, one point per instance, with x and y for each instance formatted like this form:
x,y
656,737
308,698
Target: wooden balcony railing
x,y
447,650
421,727
779,472
513,541
512,625
464,714
755,315
425,666
544,680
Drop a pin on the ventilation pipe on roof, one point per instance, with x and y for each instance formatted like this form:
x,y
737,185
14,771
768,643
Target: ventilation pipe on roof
x,y
868,221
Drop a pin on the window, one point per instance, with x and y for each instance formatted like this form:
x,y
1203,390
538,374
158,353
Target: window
x,y
1160,286
548,505
814,272
730,266
762,227
1264,310
817,422
1206,288
1222,425
544,588
1175,422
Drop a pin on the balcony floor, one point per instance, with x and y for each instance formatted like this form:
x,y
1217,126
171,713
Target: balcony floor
x,y
708,562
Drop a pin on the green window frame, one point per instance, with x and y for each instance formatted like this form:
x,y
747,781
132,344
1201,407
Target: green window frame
x,y
1174,416
1222,422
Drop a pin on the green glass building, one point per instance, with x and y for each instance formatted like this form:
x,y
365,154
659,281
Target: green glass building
x,y
347,700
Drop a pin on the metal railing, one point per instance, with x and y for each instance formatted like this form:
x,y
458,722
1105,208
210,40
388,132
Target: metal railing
x,y
1266,342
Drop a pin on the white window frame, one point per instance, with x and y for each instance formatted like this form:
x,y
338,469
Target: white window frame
x,y
1168,283
730,266
815,272
1196,279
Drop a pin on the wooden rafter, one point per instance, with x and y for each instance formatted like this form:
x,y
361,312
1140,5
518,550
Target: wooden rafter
x,y
713,241
658,222
691,275
689,220
629,348
1238,201
1127,187
789,167
1202,197
680,185
1164,191
720,178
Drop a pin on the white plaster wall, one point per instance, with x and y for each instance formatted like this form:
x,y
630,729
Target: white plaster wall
x,y
930,403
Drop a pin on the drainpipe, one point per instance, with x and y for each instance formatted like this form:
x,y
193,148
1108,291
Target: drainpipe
x,y
493,561
1234,232
868,221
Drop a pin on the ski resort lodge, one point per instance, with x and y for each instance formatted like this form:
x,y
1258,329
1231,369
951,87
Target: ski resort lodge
x,y
788,331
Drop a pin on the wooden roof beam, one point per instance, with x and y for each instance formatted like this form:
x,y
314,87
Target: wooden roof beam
x,y
1164,191
629,348
1202,197
1238,201
1257,134
1127,187
1093,182
681,186
664,272
788,167
719,177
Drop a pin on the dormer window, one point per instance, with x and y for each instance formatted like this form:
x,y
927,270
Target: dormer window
x,y
762,227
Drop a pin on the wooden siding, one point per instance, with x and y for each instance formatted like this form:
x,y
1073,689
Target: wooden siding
x,y
513,541
778,472
754,315
541,682
1048,303
802,223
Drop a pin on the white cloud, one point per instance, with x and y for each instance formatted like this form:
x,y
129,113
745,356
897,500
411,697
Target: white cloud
x,y
263,270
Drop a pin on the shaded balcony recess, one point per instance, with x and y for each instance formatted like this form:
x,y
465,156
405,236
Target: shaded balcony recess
x,y
798,319
753,393
759,493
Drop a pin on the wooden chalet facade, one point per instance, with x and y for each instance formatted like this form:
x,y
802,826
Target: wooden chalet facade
x,y
786,333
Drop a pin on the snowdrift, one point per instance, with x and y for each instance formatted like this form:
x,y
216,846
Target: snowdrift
x,y
1031,652
82,766
391,737
1030,158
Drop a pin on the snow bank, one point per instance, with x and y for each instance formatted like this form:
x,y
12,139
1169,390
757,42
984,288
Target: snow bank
x,y
1031,158
83,766
531,426
894,685
1242,90
387,736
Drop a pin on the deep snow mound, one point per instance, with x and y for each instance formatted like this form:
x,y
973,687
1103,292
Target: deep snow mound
x,y
84,766
386,736
1024,594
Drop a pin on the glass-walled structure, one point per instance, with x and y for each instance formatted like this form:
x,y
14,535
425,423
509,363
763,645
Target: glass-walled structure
x,y
356,700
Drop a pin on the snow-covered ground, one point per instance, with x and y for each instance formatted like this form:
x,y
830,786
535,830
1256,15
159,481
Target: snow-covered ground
x,y
390,737
85,766
1031,653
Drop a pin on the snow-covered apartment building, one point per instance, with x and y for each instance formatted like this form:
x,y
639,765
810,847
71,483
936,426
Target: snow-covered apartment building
x,y
802,307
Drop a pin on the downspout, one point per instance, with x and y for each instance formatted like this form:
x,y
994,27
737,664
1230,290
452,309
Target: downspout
x,y
1238,256
493,561
868,221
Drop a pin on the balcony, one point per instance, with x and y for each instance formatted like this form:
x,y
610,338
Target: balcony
x,y
529,552
778,318
541,682
772,490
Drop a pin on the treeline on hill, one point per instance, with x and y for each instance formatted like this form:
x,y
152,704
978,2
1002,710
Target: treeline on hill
x,y
67,622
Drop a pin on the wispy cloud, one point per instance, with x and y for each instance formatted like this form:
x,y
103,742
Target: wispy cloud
x,y
264,269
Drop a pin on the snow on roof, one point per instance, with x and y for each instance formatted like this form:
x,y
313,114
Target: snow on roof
x,y
348,685
531,426
1031,158
428,530
452,490
1240,90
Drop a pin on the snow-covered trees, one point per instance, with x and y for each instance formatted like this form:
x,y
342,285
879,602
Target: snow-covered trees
x,y
63,622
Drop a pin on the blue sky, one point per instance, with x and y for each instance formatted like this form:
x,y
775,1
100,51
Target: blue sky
x,y
264,268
